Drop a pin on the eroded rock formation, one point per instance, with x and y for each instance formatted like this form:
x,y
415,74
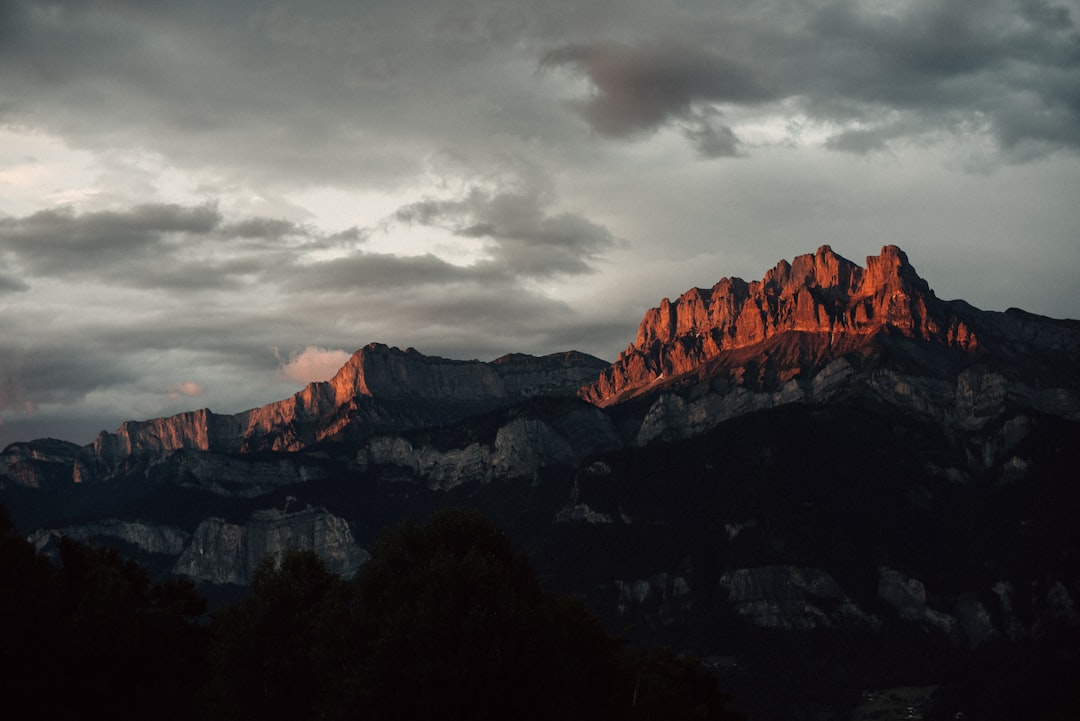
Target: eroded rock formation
x,y
39,463
831,299
786,597
379,389
147,537
521,447
222,552
820,329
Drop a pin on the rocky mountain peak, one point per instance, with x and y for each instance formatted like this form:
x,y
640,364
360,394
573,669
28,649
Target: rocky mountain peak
x,y
823,269
388,373
379,388
821,293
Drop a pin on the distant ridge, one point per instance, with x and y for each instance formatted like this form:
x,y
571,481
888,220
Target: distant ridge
x,y
805,332
380,388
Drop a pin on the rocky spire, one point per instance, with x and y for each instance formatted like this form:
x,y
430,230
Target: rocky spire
x,y
820,293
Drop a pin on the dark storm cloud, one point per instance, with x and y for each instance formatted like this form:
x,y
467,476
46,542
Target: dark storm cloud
x,y
292,94
208,84
462,320
1009,68
525,238
499,311
272,228
166,246
206,299
709,135
59,242
48,375
641,87
381,271
11,284
193,248
342,92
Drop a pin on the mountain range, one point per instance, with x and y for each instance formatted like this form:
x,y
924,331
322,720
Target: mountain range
x,y
825,483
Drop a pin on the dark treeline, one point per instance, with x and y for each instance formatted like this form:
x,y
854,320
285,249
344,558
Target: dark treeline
x,y
93,636
445,621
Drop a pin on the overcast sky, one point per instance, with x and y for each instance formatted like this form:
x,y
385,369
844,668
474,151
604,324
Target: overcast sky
x,y
209,204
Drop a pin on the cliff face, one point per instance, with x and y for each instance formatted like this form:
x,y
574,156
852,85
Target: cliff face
x,y
822,295
147,537
520,448
37,464
222,552
379,389
391,374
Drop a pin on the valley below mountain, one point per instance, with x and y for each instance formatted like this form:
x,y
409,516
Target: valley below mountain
x,y
822,483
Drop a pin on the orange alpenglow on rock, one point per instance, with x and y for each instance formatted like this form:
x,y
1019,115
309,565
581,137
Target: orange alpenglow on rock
x,y
379,388
822,294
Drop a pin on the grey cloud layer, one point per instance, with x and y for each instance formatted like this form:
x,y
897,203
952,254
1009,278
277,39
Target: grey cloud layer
x,y
223,293
192,247
639,88
525,239
342,91
151,246
11,284
319,92
1011,69
58,242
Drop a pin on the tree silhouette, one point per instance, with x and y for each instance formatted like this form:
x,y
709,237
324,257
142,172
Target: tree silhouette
x,y
94,633
446,621
453,623
266,649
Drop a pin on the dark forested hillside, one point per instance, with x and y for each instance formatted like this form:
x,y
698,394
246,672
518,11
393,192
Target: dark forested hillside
x,y
446,619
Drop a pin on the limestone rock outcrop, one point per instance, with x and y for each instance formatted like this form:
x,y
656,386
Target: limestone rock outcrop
x,y
375,372
37,464
821,329
147,537
520,448
974,619
908,596
222,552
792,598
236,475
657,600
825,295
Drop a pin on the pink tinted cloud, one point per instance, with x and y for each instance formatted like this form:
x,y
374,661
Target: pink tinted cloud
x,y
187,389
311,364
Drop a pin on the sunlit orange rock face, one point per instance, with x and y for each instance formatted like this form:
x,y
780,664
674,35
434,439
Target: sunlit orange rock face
x,y
823,294
379,387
